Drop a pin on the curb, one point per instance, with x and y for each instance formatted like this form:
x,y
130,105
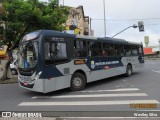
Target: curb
x,y
151,58
19,118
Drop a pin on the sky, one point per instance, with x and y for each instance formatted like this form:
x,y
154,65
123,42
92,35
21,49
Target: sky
x,y
121,14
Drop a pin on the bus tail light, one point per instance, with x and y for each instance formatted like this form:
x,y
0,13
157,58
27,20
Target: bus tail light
x,y
38,75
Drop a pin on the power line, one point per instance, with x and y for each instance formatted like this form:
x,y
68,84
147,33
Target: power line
x,y
132,20
136,19
129,19
153,24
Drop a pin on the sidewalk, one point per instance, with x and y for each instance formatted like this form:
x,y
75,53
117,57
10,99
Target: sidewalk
x,y
152,58
12,78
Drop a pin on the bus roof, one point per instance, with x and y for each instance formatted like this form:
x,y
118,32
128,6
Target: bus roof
x,y
108,39
86,37
57,33
61,34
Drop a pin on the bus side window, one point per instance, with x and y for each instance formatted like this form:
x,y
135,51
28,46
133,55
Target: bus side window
x,y
46,50
61,48
140,50
96,48
119,49
109,49
134,50
85,49
76,48
127,50
55,52
80,48
104,53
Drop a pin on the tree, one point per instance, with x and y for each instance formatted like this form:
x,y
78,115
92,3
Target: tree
x,y
22,16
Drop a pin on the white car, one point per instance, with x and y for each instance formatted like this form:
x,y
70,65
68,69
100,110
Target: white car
x,y
13,67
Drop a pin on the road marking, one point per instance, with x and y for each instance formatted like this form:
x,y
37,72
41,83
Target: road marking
x,y
124,80
120,86
156,71
116,90
93,95
80,103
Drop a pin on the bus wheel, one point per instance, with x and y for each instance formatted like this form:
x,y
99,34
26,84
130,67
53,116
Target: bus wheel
x,y
129,71
78,82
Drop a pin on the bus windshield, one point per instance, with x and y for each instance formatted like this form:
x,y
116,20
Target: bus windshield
x,y
28,55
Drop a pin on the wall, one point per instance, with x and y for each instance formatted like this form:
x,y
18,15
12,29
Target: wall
x,y
77,22
147,50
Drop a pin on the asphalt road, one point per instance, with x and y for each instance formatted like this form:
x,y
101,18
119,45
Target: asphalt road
x,y
108,97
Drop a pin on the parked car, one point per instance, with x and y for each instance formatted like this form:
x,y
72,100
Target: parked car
x,y
13,67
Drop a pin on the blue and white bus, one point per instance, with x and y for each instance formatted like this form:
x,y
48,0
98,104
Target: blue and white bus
x,y
51,60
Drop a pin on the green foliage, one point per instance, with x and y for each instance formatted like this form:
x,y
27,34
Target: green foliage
x,y
22,16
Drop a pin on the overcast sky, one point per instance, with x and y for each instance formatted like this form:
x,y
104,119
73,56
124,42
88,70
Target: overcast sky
x,y
121,14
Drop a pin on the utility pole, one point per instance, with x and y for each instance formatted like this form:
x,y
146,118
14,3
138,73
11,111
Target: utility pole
x,y
63,2
104,18
90,21
59,3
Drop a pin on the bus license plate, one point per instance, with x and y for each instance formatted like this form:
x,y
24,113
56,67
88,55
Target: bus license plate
x,y
25,83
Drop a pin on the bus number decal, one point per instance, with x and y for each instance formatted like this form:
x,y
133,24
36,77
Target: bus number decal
x,y
79,62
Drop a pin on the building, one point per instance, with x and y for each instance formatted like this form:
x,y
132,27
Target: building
x,y
147,50
3,53
152,51
77,22
2,47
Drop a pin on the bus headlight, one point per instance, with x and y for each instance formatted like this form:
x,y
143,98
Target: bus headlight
x,y
38,75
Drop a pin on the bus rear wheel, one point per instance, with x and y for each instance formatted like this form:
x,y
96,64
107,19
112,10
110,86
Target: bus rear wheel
x,y
78,82
129,71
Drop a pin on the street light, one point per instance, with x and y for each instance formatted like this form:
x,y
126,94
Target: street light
x,y
133,26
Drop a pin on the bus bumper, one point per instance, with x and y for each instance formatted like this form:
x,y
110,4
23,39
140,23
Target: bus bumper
x,y
35,85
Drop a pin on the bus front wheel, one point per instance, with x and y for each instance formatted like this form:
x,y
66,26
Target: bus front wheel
x,y
129,70
78,82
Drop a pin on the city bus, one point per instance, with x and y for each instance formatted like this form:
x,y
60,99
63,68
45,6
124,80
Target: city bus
x,y
50,60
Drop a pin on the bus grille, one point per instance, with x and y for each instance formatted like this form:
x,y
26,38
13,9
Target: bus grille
x,y
25,73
